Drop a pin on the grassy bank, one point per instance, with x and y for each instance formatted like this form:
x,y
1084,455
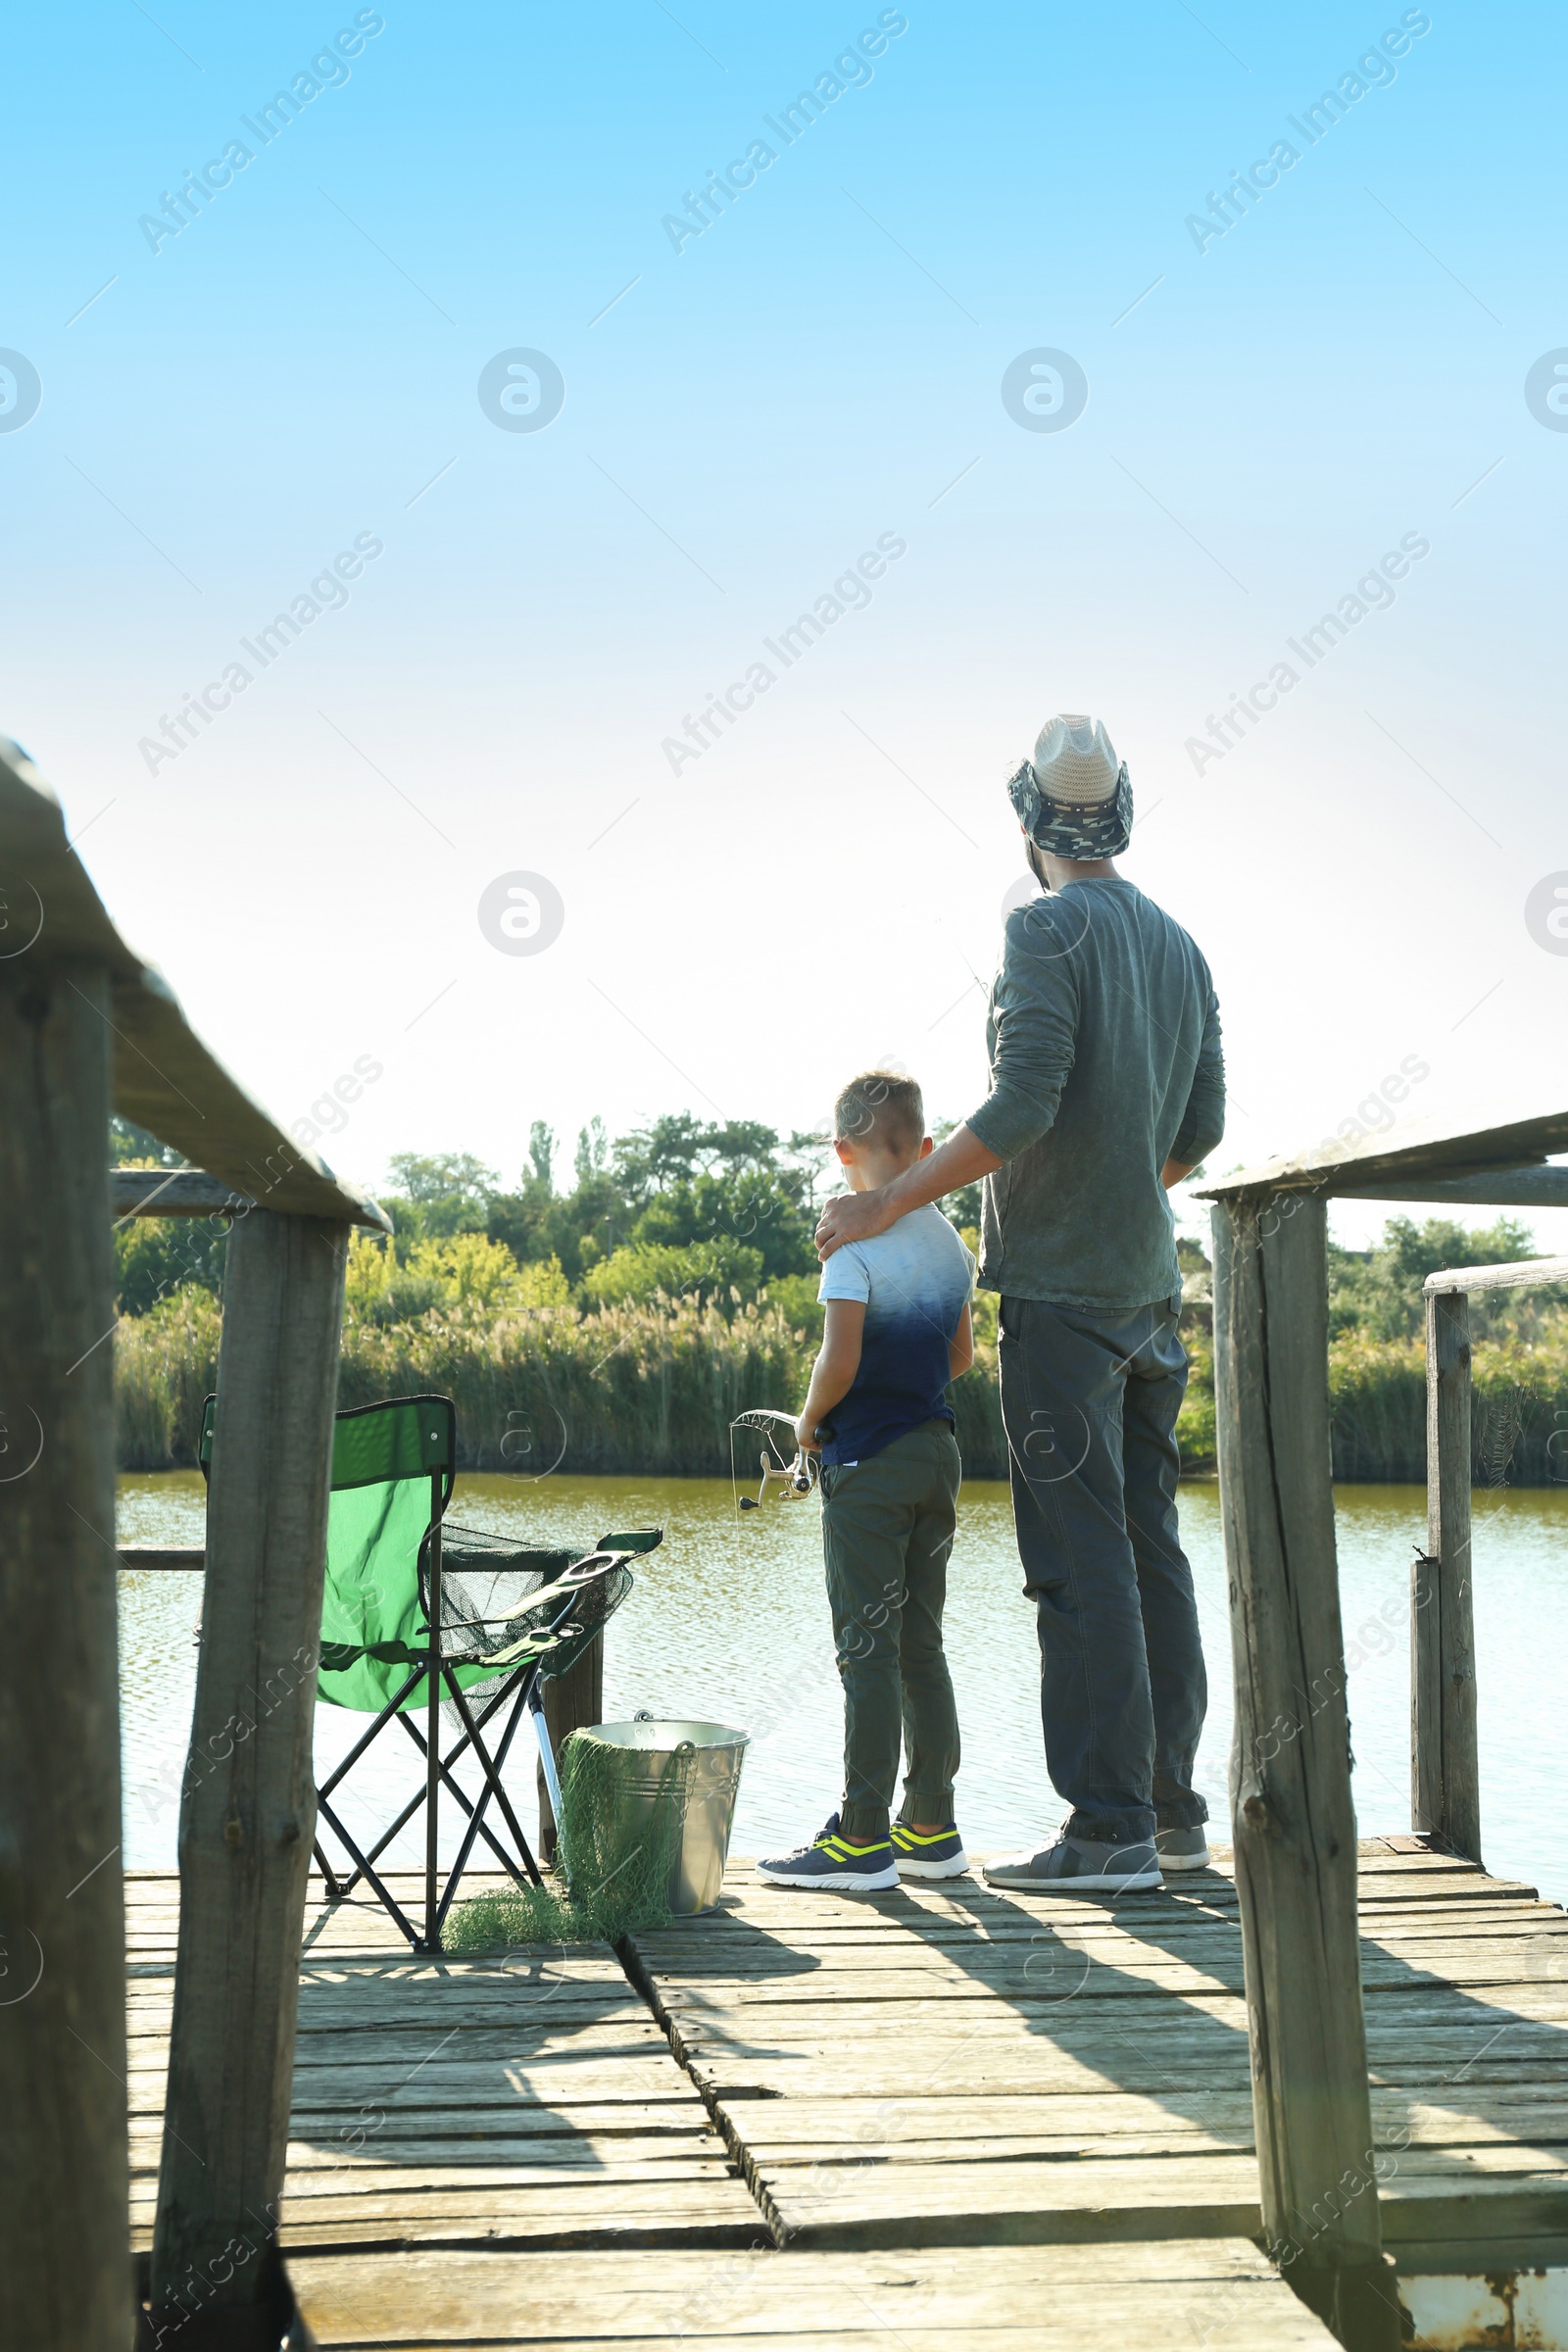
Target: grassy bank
x,y
652,1389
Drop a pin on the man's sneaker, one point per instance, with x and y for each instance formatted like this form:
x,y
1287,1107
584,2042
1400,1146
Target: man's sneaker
x,y
1071,1863
1182,1849
832,1861
929,1853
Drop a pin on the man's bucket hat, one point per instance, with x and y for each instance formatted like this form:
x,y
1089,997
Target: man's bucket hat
x,y
1074,798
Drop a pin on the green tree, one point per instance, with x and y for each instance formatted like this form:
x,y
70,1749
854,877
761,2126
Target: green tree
x,y
592,1151
758,1208
439,1193
132,1147
578,1228
1377,1291
156,1256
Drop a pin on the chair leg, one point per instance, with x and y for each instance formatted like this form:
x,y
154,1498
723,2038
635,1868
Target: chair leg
x,y
490,1773
337,1889
364,1870
362,1744
477,1822
432,1939
348,1883
459,1796
334,1890
438,1772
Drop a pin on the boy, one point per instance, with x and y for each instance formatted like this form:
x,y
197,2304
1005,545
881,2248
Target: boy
x,y
896,1330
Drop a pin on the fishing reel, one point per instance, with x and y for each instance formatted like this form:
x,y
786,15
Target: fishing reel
x,y
795,1478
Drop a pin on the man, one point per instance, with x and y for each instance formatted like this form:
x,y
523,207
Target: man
x,y
1107,1088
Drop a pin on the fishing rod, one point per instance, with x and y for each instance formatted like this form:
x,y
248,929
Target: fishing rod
x,y
795,1478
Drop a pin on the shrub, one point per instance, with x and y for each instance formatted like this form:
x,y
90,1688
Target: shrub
x,y
165,1365
641,1272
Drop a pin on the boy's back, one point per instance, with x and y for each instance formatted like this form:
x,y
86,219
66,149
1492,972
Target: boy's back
x,y
896,1330
915,1281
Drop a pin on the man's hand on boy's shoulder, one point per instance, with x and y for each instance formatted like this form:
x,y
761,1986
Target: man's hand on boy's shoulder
x,y
853,1217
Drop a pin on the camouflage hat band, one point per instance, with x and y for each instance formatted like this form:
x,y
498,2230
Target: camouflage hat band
x,y
1085,830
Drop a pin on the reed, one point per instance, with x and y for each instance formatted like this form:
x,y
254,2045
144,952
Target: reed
x,y
652,1389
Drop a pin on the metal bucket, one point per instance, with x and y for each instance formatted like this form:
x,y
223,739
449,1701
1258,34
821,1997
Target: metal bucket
x,y
706,1758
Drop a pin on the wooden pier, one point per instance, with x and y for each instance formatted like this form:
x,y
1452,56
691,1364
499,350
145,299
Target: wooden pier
x,y
933,2113
937,2117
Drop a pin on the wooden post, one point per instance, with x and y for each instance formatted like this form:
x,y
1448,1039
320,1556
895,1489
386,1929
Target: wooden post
x,y
248,1808
1444,1777
571,1700
65,2260
1293,1823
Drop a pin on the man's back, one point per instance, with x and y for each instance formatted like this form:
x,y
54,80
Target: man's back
x,y
1105,1061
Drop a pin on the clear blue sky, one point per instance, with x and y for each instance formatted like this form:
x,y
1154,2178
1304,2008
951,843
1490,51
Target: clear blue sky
x,y
298,368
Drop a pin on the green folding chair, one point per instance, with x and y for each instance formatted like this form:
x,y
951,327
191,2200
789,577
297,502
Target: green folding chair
x,y
511,1617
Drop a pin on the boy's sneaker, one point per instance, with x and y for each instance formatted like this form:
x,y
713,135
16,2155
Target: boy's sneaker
x,y
832,1861
1069,1864
1182,1849
929,1853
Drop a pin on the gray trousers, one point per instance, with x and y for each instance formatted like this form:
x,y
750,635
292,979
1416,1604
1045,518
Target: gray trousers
x,y
1089,1402
887,1530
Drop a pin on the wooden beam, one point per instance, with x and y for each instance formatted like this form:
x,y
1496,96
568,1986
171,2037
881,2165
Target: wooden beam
x,y
1520,1275
1445,1775
1537,1187
63,2239
1293,1821
173,1192
137,1559
1499,1140
248,1809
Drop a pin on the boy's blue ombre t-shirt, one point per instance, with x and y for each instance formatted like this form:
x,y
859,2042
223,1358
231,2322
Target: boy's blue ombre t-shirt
x,y
914,1280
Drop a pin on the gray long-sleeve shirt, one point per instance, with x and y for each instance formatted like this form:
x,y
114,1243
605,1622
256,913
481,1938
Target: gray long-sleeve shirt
x,y
1104,1048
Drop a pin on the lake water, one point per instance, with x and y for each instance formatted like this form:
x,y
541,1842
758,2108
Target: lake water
x,y
728,1622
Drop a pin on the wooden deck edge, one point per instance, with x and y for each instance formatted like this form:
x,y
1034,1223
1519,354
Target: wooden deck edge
x,y
1081,2226
1477,2215
660,2239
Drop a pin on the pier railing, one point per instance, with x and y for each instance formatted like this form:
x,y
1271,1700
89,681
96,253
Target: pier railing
x,y
86,1028
1445,1779
1293,1817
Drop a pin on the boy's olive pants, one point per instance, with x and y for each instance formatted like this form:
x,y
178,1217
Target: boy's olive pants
x,y
887,1530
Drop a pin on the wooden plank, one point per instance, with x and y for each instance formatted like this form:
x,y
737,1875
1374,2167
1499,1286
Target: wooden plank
x,y
166,1559
597,2210
173,1192
1293,1821
1521,1274
1444,1767
248,1807
1140,2298
1503,1138
1527,1187
62,2015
